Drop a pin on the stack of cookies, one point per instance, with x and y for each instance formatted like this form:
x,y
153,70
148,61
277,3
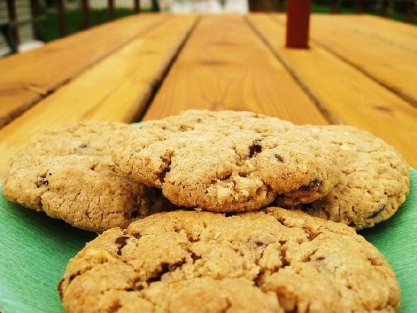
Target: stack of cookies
x,y
215,211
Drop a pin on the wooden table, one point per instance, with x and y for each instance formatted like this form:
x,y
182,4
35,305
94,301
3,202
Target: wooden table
x,y
359,70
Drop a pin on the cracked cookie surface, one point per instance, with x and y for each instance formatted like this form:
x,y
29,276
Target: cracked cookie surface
x,y
228,161
68,172
272,260
374,178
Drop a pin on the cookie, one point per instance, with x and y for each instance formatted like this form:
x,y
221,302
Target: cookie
x,y
374,178
228,161
272,260
67,172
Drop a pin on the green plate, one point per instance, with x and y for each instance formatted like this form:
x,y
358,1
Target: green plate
x,y
34,251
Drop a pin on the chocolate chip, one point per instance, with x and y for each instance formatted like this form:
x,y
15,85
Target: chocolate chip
x,y
72,276
195,257
42,181
259,243
121,242
226,177
165,268
255,148
279,158
164,172
312,185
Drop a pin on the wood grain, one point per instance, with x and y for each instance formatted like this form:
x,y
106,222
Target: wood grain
x,y
396,33
224,65
26,78
115,89
384,62
352,97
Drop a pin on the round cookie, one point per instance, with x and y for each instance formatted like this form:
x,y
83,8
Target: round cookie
x,y
67,171
228,161
272,260
374,178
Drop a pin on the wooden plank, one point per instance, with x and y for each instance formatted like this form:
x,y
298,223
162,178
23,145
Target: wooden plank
x,y
352,97
35,74
116,89
386,63
225,65
392,32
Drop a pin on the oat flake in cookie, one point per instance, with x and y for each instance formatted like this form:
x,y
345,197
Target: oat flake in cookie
x,y
228,161
272,260
374,178
67,171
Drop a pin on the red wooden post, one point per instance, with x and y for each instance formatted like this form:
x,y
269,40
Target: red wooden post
x,y
136,6
85,8
111,9
298,23
61,18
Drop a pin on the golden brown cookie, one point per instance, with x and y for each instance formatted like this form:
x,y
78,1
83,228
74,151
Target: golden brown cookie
x,y
273,260
227,161
374,178
67,171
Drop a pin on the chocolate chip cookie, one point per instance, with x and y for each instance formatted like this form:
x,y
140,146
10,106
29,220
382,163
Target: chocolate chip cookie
x,y
228,161
374,179
67,171
272,260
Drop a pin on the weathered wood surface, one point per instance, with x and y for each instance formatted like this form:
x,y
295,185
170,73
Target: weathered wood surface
x,y
115,89
382,60
28,77
225,65
385,50
393,32
345,92
164,64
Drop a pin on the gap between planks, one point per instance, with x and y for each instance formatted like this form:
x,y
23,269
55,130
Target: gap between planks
x,y
115,89
226,66
352,97
385,61
34,75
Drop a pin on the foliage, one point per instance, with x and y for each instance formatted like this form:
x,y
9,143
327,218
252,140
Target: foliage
x,y
49,25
